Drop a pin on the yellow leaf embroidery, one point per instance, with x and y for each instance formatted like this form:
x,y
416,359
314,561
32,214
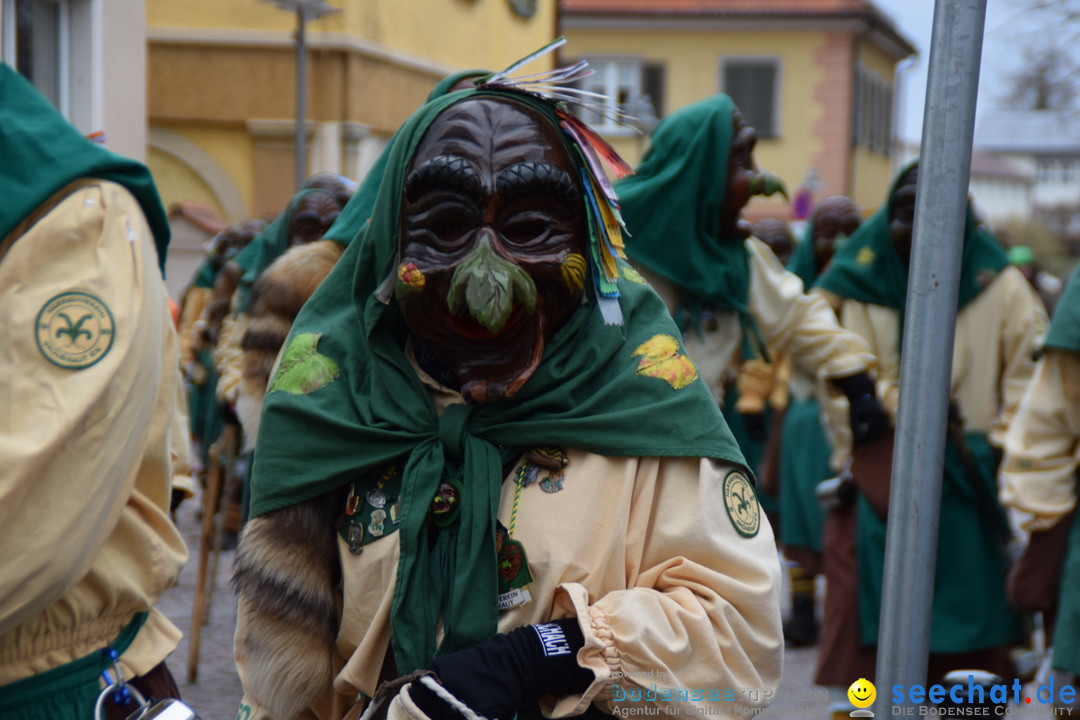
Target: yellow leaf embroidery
x,y
661,359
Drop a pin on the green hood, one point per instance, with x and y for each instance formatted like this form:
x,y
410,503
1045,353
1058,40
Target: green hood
x,y
868,269
671,206
42,153
347,395
267,246
1065,327
358,209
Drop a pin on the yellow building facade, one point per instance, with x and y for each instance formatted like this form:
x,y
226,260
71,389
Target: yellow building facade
x,y
221,80
814,77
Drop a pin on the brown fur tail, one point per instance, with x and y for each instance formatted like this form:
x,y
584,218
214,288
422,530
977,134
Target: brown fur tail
x,y
287,579
276,298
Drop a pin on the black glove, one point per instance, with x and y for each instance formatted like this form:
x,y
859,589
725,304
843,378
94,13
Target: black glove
x,y
755,425
508,673
869,419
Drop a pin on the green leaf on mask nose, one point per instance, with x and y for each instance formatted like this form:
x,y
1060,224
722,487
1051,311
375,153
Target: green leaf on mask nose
x,y
488,285
767,183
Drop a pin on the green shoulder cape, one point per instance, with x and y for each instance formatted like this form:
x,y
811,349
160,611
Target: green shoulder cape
x,y
671,206
868,269
346,401
1065,327
42,153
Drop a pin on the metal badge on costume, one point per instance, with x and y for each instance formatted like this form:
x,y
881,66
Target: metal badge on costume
x,y
372,508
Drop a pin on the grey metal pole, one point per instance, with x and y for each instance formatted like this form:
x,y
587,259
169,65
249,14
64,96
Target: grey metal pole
x,y
301,98
929,327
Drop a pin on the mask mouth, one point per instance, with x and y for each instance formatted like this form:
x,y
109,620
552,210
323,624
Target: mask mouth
x,y
469,328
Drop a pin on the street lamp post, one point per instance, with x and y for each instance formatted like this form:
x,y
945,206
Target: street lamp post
x,y
305,10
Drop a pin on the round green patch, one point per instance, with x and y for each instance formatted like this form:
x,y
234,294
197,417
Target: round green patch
x,y
742,504
74,330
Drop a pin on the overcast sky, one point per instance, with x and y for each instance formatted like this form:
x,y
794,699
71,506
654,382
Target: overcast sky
x,y
1007,28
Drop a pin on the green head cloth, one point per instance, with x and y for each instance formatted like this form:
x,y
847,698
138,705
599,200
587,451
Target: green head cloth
x,y
671,206
358,209
42,153
868,269
268,246
347,401
1064,331
1021,255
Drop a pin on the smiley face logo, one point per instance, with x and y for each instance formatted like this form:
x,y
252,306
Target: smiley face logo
x,y
862,693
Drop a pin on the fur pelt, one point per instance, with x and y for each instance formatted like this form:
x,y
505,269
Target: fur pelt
x,y
276,298
287,580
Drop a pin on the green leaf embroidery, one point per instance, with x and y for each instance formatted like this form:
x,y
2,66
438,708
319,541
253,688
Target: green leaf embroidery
x,y
303,369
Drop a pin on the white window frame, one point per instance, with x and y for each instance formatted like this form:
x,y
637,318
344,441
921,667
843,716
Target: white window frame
x,y
63,59
777,131
606,74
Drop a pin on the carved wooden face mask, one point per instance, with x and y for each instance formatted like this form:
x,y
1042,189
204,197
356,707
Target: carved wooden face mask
x,y
492,243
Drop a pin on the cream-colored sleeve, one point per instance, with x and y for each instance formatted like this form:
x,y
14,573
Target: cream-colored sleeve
x,y
1023,327
83,337
799,324
879,328
1042,445
700,615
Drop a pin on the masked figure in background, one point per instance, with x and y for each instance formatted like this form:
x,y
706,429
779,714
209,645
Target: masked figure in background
x,y
474,491
805,450
999,325
1039,486
200,318
725,288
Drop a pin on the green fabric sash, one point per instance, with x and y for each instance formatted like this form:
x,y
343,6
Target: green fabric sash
x,y
367,408
267,246
868,269
671,206
1065,327
42,153
70,691
1067,625
971,564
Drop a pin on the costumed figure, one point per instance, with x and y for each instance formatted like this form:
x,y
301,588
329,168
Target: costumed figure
x,y
999,326
1039,486
201,315
730,296
488,480
93,426
804,448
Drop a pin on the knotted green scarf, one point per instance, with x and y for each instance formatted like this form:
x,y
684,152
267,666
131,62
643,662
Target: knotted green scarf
x,y
868,269
1065,327
365,406
267,246
671,205
42,153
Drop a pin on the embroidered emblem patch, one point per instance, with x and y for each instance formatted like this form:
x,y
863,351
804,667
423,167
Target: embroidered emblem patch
x,y
742,504
661,359
74,330
303,369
